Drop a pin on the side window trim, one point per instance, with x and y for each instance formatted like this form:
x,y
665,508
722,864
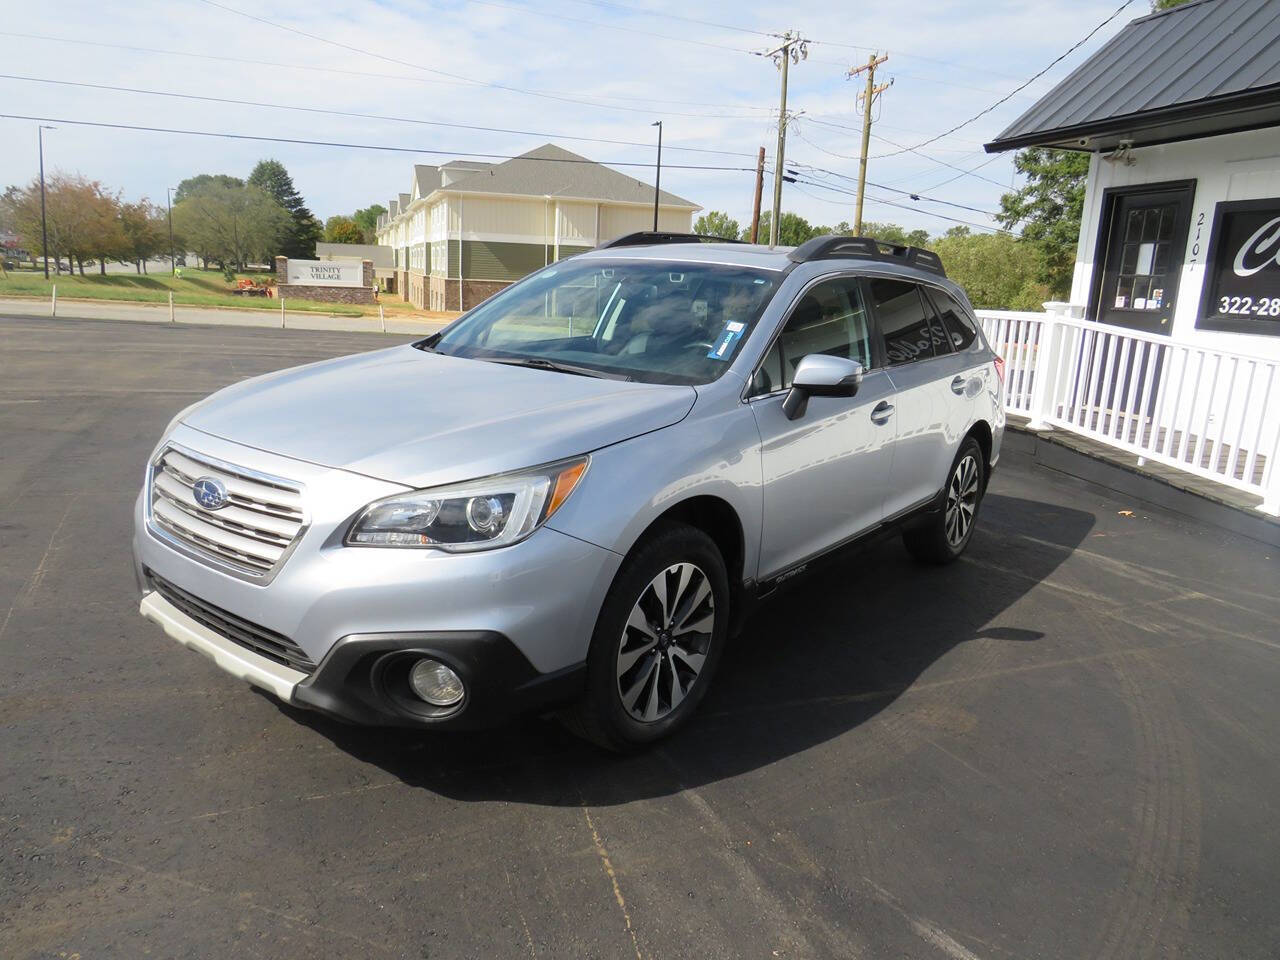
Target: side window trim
x,y
946,348
877,355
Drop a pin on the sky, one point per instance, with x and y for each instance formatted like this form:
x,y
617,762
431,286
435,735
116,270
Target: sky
x,y
572,72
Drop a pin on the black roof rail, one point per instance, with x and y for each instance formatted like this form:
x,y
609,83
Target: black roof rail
x,y
646,237
832,247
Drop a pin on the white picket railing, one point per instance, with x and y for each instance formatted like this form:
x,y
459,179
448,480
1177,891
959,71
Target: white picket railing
x,y
1209,412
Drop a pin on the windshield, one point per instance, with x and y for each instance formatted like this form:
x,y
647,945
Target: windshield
x,y
651,322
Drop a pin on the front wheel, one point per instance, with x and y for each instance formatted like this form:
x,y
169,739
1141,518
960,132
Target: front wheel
x,y
657,641
944,535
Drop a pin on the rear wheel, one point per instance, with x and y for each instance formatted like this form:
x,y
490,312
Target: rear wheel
x,y
944,535
657,641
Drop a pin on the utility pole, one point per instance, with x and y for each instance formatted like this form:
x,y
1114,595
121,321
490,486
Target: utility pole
x,y
168,202
755,208
794,48
657,177
44,224
867,97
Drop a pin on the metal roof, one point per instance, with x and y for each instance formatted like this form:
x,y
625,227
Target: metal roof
x,y
1200,69
554,171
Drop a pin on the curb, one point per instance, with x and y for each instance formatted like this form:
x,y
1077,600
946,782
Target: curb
x,y
1043,450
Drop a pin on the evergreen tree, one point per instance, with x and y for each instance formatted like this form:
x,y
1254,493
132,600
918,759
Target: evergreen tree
x,y
300,240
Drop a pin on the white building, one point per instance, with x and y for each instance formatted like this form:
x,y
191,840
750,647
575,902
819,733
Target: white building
x,y
1179,241
468,229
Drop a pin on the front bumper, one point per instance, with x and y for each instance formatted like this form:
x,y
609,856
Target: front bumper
x,y
514,622
362,679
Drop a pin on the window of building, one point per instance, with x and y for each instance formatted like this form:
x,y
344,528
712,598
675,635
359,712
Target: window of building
x,y
909,329
1242,274
829,319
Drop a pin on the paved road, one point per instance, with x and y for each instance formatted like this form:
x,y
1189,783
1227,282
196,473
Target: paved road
x,y
1062,746
217,316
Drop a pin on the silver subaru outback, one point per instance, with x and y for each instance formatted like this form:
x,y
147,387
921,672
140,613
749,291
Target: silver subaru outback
x,y
568,499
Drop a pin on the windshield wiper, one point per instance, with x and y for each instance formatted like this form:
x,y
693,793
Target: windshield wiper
x,y
540,363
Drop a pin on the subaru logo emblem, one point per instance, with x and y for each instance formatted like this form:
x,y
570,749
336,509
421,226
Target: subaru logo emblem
x,y
210,493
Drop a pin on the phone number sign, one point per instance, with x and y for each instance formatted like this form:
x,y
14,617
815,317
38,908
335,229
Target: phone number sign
x,y
1242,276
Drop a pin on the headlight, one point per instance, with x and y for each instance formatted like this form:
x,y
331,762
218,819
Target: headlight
x,y
478,515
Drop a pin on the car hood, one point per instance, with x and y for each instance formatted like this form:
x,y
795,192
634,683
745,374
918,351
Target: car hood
x,y
420,419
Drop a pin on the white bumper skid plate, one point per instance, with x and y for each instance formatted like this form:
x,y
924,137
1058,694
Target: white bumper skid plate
x,y
231,657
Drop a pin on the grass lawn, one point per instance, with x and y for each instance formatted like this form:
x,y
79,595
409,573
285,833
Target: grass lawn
x,y
201,288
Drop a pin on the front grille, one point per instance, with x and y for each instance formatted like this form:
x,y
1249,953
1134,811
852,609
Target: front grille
x,y
251,535
260,640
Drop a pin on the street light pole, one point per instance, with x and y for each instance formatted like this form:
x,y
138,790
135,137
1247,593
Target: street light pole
x,y
168,202
44,223
657,179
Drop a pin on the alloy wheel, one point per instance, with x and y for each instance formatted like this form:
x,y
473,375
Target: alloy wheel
x,y
664,643
962,500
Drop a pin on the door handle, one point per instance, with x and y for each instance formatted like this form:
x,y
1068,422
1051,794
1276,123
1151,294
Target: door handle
x,y
958,385
882,412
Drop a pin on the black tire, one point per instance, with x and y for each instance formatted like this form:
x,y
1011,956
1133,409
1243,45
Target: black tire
x,y
938,539
602,716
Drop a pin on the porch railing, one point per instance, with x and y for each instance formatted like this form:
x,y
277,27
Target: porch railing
x,y
1209,412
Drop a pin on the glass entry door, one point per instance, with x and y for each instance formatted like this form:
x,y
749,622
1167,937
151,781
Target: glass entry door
x,y
1146,237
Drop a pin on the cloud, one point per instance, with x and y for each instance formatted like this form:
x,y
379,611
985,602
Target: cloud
x,y
948,61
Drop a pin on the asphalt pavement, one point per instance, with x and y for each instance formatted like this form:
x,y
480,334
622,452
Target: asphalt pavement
x,y
1062,746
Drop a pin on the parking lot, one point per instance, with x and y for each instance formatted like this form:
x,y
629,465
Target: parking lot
x,y
1064,745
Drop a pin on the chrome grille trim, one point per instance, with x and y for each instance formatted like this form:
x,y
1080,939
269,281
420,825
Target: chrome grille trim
x,y
249,538
266,643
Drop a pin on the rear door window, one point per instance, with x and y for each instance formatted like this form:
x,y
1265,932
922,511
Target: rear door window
x,y
906,322
955,321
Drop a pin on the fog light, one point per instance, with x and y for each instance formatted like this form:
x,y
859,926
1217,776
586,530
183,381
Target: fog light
x,y
435,683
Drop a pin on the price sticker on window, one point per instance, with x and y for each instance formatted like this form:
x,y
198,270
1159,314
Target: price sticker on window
x,y
725,342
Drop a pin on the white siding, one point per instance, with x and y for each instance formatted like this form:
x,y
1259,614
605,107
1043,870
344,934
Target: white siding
x,y
578,224
1238,166
618,221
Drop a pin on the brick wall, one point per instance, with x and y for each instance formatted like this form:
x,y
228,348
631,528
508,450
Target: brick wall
x,y
474,292
292,291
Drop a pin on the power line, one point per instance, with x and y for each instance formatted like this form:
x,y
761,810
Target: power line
x,y
610,26
900,206
914,195
413,66
1015,91
844,127
674,16
763,111
970,172
360,146
364,116
923,156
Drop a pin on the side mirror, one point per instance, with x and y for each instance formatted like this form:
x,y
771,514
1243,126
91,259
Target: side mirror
x,y
821,375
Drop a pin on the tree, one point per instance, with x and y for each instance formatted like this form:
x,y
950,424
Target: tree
x,y
145,230
997,270
793,229
895,234
300,240
1158,5
187,186
366,219
231,224
1049,207
715,223
342,230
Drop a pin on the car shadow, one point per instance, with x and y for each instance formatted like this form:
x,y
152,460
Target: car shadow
x,y
812,664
